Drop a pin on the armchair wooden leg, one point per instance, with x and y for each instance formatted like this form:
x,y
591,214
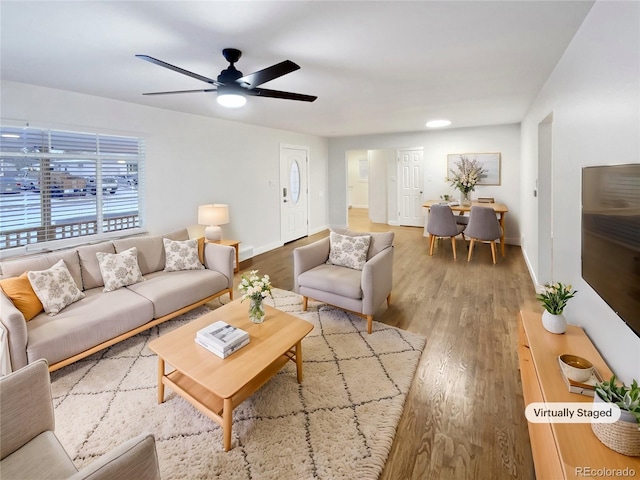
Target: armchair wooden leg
x,y
453,246
369,323
493,251
432,240
471,243
304,303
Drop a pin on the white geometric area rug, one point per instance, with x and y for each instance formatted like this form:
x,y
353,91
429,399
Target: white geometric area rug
x,y
338,424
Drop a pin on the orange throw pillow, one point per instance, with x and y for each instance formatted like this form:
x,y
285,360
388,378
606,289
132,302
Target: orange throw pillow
x,y
19,290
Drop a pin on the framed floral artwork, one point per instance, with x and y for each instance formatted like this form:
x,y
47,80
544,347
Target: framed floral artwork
x,y
490,163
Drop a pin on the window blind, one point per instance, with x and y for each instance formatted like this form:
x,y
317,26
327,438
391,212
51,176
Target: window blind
x,y
59,185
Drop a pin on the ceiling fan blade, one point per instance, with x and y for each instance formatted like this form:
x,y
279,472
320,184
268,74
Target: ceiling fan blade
x,y
178,69
181,91
263,76
263,92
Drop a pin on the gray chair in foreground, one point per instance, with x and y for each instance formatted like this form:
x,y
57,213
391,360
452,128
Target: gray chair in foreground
x,y
30,450
484,227
358,291
442,224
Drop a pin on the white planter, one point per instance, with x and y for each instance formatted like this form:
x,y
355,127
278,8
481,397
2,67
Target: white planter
x,y
554,323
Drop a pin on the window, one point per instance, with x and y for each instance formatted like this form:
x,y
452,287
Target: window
x,y
57,185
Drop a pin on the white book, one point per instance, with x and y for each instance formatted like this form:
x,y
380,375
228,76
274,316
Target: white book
x,y
222,334
219,352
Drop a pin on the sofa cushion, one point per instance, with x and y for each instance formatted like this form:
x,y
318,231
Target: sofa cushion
x,y
42,457
91,276
119,269
342,281
95,319
16,267
348,251
21,293
171,291
150,249
181,255
55,288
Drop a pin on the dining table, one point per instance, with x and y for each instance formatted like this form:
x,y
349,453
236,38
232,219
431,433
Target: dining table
x,y
500,209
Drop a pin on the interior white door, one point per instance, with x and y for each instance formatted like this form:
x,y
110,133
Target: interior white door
x,y
410,185
294,202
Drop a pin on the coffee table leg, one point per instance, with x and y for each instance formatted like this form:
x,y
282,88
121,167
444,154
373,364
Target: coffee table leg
x,y
227,415
299,360
160,383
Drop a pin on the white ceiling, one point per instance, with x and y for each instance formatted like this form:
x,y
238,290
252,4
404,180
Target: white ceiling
x,y
376,67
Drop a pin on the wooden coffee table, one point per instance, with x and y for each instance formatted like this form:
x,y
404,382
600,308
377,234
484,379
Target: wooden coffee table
x,y
216,386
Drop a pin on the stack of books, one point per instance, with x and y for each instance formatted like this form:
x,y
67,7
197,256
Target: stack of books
x,y
222,339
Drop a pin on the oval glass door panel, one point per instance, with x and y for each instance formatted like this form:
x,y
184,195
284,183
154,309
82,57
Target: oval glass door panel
x,y
294,182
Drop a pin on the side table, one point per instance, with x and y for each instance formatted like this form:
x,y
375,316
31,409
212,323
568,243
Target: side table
x,y
235,244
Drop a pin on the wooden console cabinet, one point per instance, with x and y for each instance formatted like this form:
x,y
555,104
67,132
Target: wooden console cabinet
x,y
561,450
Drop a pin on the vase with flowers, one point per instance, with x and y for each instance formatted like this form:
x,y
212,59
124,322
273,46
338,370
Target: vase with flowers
x,y
466,177
255,289
554,298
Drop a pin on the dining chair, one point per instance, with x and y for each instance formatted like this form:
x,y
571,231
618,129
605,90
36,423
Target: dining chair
x,y
442,224
484,227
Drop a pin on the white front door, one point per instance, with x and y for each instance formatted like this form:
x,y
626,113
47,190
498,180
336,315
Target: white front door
x,y
293,193
410,175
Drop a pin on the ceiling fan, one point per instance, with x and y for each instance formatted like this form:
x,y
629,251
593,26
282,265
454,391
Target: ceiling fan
x,y
232,86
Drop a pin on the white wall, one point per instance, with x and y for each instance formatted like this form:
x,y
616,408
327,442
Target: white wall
x,y
379,193
437,144
594,95
191,160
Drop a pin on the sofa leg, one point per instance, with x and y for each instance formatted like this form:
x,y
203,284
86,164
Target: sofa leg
x,y
304,303
369,323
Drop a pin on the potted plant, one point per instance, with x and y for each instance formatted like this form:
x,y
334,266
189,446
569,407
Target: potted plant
x,y
554,298
623,436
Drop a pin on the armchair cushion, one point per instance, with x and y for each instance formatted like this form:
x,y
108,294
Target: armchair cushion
x,y
333,279
348,251
379,240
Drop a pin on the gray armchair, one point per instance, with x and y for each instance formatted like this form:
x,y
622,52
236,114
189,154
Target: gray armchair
x,y
358,291
30,450
484,227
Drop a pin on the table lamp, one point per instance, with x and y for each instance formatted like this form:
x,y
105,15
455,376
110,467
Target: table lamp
x,y
213,216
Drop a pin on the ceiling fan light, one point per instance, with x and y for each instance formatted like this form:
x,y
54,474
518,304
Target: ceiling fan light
x,y
438,123
231,100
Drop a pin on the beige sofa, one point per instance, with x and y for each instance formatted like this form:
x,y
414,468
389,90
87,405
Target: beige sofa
x,y
102,319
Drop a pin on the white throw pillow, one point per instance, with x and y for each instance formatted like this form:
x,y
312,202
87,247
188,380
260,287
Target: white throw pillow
x,y
348,251
181,255
55,287
119,269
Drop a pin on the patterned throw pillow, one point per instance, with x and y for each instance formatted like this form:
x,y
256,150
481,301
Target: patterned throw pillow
x,y
348,251
181,255
55,287
119,269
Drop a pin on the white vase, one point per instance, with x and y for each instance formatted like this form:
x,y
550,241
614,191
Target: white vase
x,y
554,323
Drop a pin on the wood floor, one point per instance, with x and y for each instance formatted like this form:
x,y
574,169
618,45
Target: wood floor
x,y
464,416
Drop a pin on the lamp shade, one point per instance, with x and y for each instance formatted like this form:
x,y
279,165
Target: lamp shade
x,y
213,215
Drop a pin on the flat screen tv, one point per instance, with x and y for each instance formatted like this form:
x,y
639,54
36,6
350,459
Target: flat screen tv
x,y
611,237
